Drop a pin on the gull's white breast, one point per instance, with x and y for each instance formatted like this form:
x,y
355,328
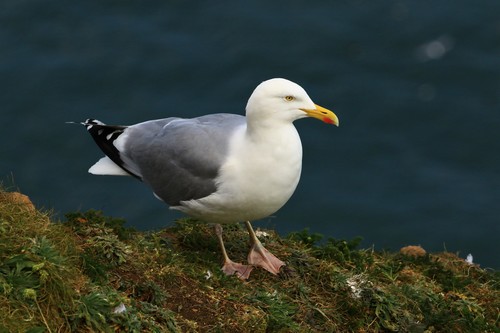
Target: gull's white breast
x,y
259,176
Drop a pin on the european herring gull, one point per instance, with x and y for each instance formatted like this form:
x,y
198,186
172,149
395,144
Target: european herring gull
x,y
220,168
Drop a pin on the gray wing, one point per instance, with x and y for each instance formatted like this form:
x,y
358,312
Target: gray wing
x,y
180,158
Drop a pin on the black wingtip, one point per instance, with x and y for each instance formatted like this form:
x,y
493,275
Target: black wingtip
x,y
104,136
87,123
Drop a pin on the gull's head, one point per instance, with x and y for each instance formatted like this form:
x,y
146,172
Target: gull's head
x,y
281,99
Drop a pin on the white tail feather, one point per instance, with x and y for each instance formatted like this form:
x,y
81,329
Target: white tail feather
x,y
105,166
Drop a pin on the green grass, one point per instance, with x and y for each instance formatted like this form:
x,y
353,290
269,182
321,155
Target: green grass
x,y
73,276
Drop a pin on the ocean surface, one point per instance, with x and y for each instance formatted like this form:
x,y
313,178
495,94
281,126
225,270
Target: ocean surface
x,y
416,85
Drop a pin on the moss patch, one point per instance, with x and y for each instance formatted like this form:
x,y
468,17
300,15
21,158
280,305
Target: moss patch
x,y
90,273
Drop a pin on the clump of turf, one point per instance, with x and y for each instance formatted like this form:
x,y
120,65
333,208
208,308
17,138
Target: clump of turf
x,y
90,273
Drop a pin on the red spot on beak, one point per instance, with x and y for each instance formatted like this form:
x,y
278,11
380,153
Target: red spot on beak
x,y
328,120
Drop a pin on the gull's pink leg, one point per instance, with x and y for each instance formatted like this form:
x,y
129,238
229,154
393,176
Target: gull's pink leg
x,y
260,256
230,267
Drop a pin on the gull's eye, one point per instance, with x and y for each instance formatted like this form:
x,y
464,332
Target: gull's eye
x,y
289,98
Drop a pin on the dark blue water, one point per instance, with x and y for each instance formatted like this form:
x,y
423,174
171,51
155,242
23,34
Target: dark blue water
x,y
416,85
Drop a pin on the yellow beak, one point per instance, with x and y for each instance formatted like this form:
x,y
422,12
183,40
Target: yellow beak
x,y
322,114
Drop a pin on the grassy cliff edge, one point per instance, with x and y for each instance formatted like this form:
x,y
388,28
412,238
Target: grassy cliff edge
x,y
89,273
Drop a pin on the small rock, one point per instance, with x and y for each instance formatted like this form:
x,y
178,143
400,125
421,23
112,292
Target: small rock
x,y
413,251
19,199
120,308
470,259
261,234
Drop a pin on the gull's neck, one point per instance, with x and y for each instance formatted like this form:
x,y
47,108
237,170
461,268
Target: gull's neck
x,y
260,128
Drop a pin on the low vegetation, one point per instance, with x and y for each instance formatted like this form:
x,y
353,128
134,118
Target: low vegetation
x,y
89,273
